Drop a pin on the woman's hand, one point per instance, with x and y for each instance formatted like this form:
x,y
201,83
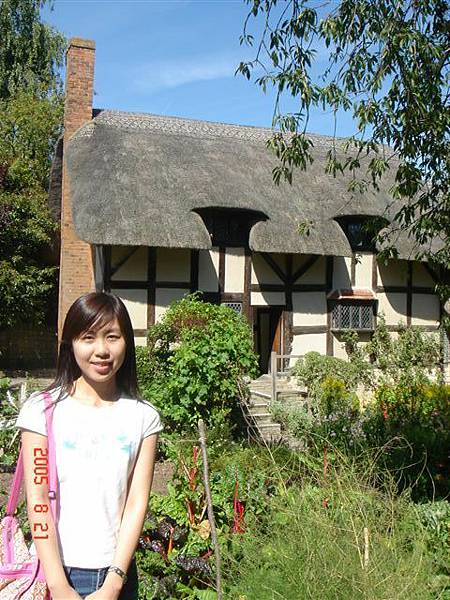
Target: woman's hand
x,y
67,593
104,593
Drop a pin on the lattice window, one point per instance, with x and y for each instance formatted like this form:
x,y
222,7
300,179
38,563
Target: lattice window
x,y
237,306
351,315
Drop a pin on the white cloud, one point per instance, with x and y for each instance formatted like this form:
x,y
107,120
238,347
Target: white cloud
x,y
158,75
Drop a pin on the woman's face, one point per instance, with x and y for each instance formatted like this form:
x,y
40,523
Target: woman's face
x,y
100,353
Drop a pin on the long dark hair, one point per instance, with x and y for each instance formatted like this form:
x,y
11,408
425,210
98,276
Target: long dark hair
x,y
92,311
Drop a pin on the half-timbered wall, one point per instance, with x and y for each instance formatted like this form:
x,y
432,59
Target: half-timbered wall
x,y
149,279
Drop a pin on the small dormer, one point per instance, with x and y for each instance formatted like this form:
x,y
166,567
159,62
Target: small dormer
x,y
229,226
361,230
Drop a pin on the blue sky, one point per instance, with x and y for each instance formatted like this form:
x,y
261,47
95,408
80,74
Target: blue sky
x,y
174,57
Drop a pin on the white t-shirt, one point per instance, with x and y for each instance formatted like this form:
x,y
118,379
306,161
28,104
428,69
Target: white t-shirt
x,y
96,450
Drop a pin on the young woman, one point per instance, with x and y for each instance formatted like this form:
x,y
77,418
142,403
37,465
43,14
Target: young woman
x,y
105,443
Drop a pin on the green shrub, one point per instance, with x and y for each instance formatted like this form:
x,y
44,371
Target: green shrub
x,y
195,363
408,360
333,396
412,425
314,368
315,545
435,517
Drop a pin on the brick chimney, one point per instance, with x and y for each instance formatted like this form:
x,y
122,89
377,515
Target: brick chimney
x,y
76,275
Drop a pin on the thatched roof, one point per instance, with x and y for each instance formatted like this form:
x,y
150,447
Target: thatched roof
x,y
135,179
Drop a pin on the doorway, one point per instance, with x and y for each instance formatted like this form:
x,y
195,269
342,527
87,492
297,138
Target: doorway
x,y
267,333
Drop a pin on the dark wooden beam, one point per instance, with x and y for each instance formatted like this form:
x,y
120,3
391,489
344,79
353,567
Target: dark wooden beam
x,y
267,287
309,287
374,272
171,285
123,260
246,304
232,297
221,269
305,267
296,287
288,323
151,287
194,270
140,332
273,265
431,272
409,283
299,329
211,297
353,270
374,287
328,288
120,284
287,315
107,268
288,285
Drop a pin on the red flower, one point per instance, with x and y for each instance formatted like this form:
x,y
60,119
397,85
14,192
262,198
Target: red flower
x,y
238,512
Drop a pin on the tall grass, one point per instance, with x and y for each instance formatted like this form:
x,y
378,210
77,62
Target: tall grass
x,y
334,535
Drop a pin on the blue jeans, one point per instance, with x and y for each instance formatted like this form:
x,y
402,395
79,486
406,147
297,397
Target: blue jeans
x,y
87,581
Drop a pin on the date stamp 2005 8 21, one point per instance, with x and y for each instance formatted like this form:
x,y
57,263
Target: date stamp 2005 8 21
x,y
40,476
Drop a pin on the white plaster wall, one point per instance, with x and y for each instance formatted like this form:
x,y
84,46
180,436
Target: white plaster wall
x,y
135,268
163,297
136,304
342,272
309,342
338,348
394,273
363,270
316,273
173,264
309,308
420,276
234,270
393,306
262,272
425,310
140,341
208,270
267,299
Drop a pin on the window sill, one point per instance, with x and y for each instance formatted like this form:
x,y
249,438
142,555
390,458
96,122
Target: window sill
x,y
371,330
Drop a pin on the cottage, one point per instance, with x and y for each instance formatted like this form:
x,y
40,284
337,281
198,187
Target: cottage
x,y
153,207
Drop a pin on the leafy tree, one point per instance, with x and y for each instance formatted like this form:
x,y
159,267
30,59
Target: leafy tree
x,y
195,362
31,110
30,52
388,65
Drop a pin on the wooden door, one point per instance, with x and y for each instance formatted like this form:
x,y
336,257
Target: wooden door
x,y
268,333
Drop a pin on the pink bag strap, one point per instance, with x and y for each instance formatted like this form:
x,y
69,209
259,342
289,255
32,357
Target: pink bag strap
x,y
53,489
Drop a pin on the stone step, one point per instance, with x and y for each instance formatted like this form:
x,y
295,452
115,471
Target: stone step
x,y
270,432
258,406
289,396
262,418
276,427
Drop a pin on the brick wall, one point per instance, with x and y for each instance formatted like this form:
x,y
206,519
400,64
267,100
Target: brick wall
x,y
77,259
